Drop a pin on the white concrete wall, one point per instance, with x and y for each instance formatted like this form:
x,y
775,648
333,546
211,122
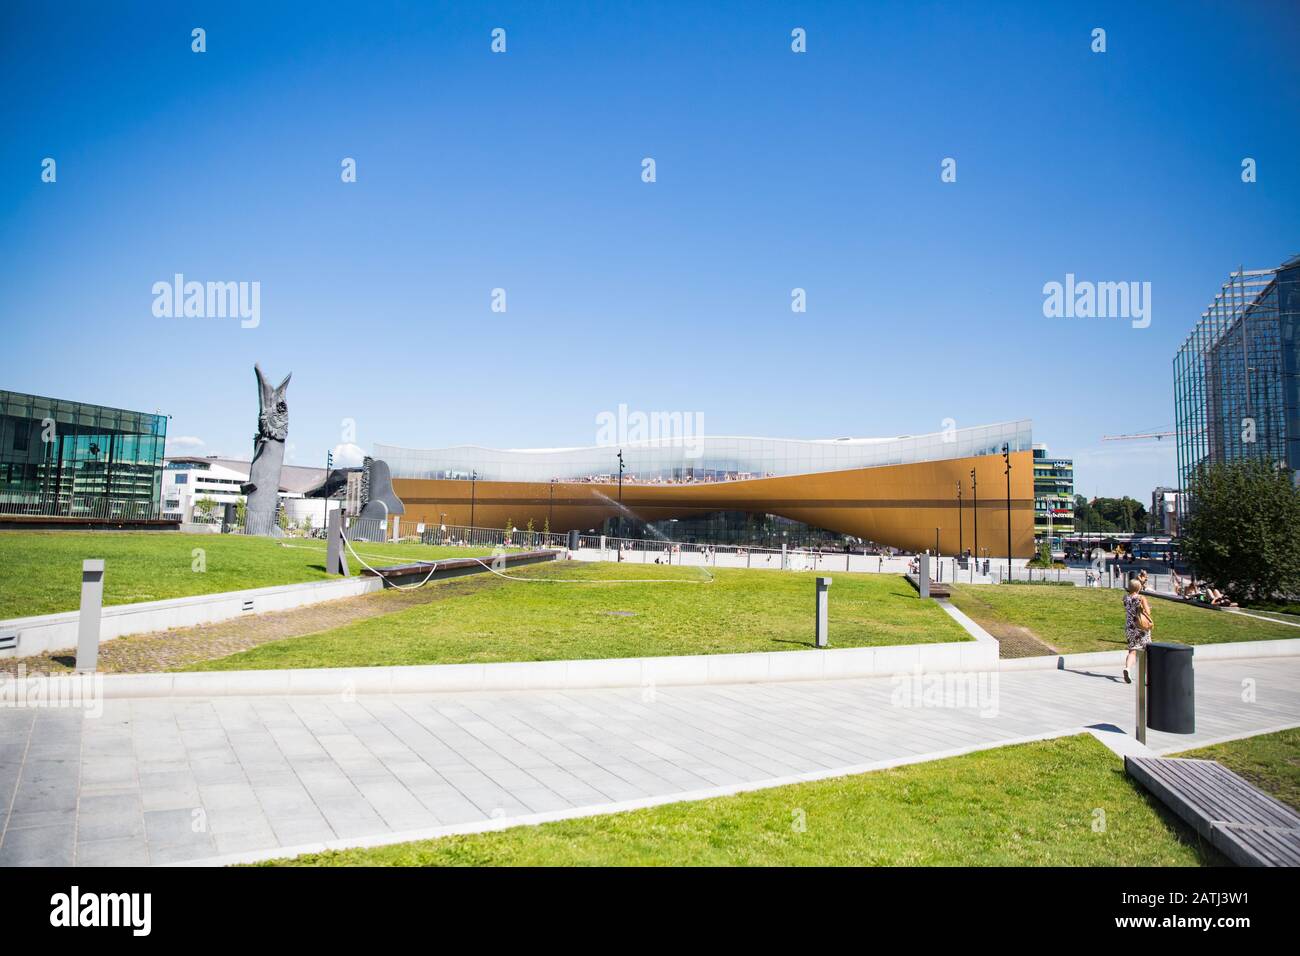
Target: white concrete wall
x,y
50,632
647,672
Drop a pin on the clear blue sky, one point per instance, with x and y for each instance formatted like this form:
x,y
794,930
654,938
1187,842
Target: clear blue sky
x,y
523,171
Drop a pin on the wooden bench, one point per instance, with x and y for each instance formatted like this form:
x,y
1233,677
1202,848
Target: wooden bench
x,y
1238,819
937,590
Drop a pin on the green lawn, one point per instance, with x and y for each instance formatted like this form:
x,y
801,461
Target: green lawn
x,y
1269,761
588,615
40,571
1092,619
1063,802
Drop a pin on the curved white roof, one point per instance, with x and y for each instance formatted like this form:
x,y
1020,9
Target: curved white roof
x,y
715,456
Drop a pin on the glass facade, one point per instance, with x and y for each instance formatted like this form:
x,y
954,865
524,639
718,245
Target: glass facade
x,y
1237,377
69,458
734,527
701,459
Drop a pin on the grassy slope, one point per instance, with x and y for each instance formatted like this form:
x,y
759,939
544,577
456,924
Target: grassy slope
x,y
1030,805
490,619
1092,619
1269,761
40,572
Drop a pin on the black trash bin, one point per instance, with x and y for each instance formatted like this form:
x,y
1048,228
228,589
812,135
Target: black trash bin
x,y
1171,689
573,540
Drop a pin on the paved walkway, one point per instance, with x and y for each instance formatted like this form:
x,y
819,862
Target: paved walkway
x,y
157,781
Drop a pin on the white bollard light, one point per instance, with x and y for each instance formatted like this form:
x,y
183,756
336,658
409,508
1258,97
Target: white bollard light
x,y
92,604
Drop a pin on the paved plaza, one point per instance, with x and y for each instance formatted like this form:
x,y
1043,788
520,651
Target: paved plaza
x,y
189,779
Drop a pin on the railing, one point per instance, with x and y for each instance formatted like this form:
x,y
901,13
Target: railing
x,y
88,507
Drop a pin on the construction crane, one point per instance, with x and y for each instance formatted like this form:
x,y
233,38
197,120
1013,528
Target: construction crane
x,y
1156,435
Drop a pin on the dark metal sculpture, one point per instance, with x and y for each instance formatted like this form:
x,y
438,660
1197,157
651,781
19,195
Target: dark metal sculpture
x,y
263,485
380,502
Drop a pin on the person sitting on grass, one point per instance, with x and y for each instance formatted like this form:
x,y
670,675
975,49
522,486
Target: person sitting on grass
x,y
1137,625
1218,598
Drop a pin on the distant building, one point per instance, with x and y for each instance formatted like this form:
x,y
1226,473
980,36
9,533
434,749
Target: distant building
x,y
190,480
1053,498
1165,508
900,492
1237,376
70,459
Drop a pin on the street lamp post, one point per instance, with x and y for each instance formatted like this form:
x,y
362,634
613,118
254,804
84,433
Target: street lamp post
x,y
1006,457
550,509
325,489
620,497
975,512
960,542
473,479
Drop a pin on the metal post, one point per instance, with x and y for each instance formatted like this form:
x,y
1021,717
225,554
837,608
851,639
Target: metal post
x,y
1142,696
975,511
823,589
960,523
1006,456
336,560
92,603
924,575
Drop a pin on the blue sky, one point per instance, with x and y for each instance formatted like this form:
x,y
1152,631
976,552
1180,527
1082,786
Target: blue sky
x,y
522,171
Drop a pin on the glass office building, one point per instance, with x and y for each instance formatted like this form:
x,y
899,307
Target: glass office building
x,y
62,458
1237,377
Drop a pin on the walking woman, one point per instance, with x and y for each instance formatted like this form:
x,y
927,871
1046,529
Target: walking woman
x,y
1137,625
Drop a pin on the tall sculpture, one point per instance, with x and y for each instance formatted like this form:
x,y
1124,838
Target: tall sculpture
x,y
381,501
263,485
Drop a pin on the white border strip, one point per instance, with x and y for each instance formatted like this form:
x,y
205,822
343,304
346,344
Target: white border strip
x,y
622,806
795,665
1223,651
52,632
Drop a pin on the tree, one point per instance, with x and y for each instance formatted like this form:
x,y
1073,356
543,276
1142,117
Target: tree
x,y
205,506
1109,514
1242,533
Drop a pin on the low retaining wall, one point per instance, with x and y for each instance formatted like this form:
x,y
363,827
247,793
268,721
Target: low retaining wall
x,y
832,664
404,575
51,632
1235,650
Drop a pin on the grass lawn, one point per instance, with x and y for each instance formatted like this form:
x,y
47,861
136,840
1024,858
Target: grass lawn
x,y
1092,619
1063,802
488,618
1287,610
40,571
1269,761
